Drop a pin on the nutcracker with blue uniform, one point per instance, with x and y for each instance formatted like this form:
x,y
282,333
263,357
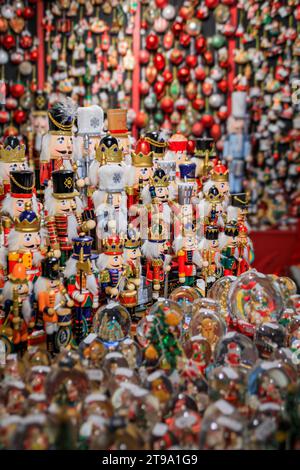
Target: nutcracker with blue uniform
x,y
82,285
228,248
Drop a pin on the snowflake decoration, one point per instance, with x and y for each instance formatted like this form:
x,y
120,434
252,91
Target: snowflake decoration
x,y
116,178
95,122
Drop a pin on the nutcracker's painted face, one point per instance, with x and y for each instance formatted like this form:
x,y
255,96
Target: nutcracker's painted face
x,y
134,254
65,206
31,241
22,289
231,241
6,168
61,146
213,243
143,174
115,200
53,283
18,205
189,242
162,193
115,261
222,187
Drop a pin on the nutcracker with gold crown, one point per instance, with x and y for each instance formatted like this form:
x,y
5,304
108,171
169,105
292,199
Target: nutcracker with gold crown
x,y
107,153
82,285
177,151
26,243
211,268
89,132
117,126
203,157
218,177
22,184
158,144
132,259
228,249
142,162
211,209
169,167
12,158
158,261
57,144
63,213
19,316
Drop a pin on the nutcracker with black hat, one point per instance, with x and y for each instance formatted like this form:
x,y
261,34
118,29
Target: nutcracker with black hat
x,y
82,285
107,152
63,210
228,249
19,315
117,126
238,208
26,242
22,187
203,156
158,144
211,268
12,158
57,144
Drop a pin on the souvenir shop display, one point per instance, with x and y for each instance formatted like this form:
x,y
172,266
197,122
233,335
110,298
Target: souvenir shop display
x,y
154,137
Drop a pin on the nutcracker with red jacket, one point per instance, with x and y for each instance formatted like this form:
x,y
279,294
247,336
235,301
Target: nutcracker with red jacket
x,y
107,153
142,163
19,316
228,249
12,158
117,126
26,243
158,261
211,268
132,259
22,184
245,249
82,285
203,156
63,210
158,144
177,151
57,144
218,177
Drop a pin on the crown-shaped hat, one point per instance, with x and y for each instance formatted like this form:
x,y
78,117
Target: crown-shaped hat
x,y
108,150
212,232
213,195
28,221
12,151
133,239
143,156
231,230
159,178
219,173
113,245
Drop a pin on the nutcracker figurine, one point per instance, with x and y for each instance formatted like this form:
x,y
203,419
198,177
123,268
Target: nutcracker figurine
x,y
158,144
210,256
237,146
17,308
25,244
63,208
177,150
218,177
142,162
12,158
238,208
204,154
57,144
39,122
188,256
107,153
169,167
211,208
245,250
158,262
132,259
117,126
228,249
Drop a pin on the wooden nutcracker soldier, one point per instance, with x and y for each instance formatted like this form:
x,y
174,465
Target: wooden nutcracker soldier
x,y
218,177
228,249
211,208
169,167
210,258
25,243
18,310
177,151
12,158
22,184
158,144
57,144
245,250
39,122
203,157
238,208
158,262
107,153
63,208
82,285
132,259
117,126
142,162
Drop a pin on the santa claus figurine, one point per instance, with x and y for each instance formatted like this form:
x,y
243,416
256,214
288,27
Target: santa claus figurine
x,y
12,158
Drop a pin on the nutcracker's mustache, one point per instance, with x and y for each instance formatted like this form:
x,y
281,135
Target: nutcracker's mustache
x,y
65,152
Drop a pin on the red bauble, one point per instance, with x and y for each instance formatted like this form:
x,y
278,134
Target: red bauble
x,y
144,24
224,64
207,88
176,56
200,74
168,76
159,61
191,61
211,3
168,40
159,88
215,131
17,90
208,57
26,41
186,12
33,56
197,129
144,57
144,88
230,3
222,114
185,39
207,120
33,86
223,85
19,116
152,42
141,119
167,105
191,90
191,144
200,44
198,104
297,13
19,12
4,117
28,13
9,41
202,13
151,74
177,28
11,103
161,3
183,74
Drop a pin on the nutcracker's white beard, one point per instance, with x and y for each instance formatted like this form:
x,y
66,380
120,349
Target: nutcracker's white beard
x,y
177,243
3,256
37,258
151,250
207,186
71,270
7,206
91,284
94,173
232,213
197,258
197,161
7,293
26,310
170,156
45,145
41,285
38,142
167,261
106,212
72,227
102,261
223,240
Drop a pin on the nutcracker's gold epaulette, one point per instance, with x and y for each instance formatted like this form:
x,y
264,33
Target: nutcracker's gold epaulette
x,y
49,218
104,276
157,262
180,253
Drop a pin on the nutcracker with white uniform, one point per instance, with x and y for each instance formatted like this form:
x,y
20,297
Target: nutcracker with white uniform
x,y
107,153
142,163
117,126
132,258
177,151
12,158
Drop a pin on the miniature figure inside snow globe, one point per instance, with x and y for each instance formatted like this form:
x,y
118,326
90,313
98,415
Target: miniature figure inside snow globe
x,y
92,351
112,323
235,349
208,324
112,361
293,330
198,352
96,403
9,425
295,303
285,286
228,383
167,307
253,300
185,296
160,385
36,378
132,352
33,434
268,337
222,428
219,292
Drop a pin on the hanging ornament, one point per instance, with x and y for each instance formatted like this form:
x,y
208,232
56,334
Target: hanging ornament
x,y
207,120
152,42
197,129
161,3
3,57
17,90
200,44
34,55
222,113
175,118
191,61
19,116
202,12
207,87
141,119
168,40
200,73
167,76
11,103
215,100
28,13
181,104
4,117
3,25
167,105
177,28
160,25
184,39
176,56
193,27
150,102
7,11
198,104
191,90
217,41
144,56
159,89
208,57
144,88
151,73
211,4
169,12
9,41
159,61
159,117
26,100
17,25
25,40
25,68
183,74
215,131
223,86
10,130
222,14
